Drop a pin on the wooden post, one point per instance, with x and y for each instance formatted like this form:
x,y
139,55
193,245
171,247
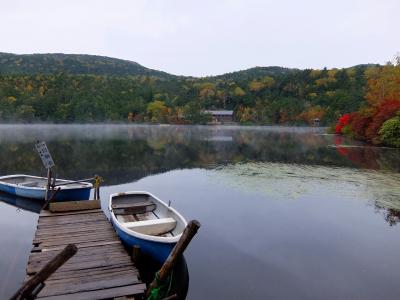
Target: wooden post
x,y
29,286
97,182
98,193
53,194
136,254
46,196
187,235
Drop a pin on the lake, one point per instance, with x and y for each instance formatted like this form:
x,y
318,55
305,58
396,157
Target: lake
x,y
286,213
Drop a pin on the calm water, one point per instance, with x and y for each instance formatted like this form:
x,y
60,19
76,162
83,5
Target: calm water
x,y
286,213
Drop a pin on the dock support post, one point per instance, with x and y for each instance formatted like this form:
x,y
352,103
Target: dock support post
x,y
29,286
136,254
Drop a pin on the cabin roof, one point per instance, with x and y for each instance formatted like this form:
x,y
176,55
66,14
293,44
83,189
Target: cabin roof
x,y
219,112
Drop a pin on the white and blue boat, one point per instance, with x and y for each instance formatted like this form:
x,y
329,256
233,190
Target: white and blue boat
x,y
34,187
140,218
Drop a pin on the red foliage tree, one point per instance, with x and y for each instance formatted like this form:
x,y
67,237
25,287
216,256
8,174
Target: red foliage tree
x,y
359,123
343,121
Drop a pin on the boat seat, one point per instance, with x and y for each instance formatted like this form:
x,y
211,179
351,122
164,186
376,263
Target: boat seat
x,y
29,183
152,227
133,208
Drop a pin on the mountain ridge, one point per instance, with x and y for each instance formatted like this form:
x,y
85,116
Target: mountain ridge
x,y
76,64
82,64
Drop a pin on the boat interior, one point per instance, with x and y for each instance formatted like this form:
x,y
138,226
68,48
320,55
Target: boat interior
x,y
140,213
41,182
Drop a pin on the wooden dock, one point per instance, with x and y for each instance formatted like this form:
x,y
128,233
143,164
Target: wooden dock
x,y
101,269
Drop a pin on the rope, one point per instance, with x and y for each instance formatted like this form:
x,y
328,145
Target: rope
x,y
159,292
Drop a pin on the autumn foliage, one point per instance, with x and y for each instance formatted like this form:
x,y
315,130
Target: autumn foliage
x,y
343,121
383,98
385,111
359,123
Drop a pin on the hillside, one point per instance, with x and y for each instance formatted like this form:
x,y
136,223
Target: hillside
x,y
87,88
255,72
29,64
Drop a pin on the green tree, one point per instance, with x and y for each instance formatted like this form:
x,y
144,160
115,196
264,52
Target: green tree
x,y
157,111
25,113
390,132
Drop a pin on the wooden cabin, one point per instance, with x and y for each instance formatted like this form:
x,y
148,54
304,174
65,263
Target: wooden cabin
x,y
221,116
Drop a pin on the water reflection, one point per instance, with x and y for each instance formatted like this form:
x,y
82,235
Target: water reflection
x,y
125,153
369,157
292,181
31,205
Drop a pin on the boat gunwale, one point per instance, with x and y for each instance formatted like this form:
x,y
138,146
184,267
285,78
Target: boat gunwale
x,y
151,238
83,185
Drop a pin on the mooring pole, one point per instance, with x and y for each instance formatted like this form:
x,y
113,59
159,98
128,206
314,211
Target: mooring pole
x,y
46,197
187,235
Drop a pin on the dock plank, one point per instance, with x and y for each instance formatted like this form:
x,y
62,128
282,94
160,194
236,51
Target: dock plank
x,y
53,289
101,269
46,213
63,275
130,290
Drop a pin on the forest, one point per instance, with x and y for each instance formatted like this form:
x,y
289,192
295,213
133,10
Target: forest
x,y
64,88
378,120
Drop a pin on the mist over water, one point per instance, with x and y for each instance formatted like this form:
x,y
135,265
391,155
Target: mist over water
x,y
286,213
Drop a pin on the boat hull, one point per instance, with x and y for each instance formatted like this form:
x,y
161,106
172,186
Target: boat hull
x,y
157,250
33,187
62,195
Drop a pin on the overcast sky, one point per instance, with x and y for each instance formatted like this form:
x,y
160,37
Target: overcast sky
x,y
207,37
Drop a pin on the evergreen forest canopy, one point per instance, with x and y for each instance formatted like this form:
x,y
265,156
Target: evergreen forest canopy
x,y
66,88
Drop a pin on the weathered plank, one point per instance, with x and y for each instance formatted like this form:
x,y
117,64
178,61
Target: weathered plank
x,y
46,213
52,289
85,251
63,221
135,289
62,275
66,229
77,217
74,205
82,245
34,259
74,225
82,264
75,239
61,235
111,273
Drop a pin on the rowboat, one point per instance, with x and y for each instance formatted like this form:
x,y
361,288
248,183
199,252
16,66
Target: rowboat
x,y
35,188
140,218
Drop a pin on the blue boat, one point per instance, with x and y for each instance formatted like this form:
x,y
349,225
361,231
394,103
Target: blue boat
x,y
140,218
34,187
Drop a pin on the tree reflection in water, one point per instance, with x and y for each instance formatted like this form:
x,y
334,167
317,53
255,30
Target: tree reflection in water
x,y
125,153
